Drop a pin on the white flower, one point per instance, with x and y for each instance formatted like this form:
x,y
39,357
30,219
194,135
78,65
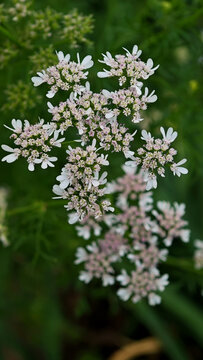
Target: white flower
x,y
123,278
61,193
162,282
51,93
15,153
107,59
64,178
57,142
46,161
104,74
38,80
96,181
135,51
93,248
72,217
85,276
146,135
83,231
104,159
124,294
17,125
122,202
86,62
149,66
199,244
151,181
63,57
110,188
154,299
129,169
185,235
107,280
107,94
149,98
177,169
129,154
180,209
168,241
109,115
81,255
170,136
110,219
131,164
145,201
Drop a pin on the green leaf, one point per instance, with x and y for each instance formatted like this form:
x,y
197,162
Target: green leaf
x,y
186,311
158,327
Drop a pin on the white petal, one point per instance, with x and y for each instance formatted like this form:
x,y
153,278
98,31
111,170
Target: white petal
x,y
10,158
37,80
7,148
31,167
103,74
50,94
87,62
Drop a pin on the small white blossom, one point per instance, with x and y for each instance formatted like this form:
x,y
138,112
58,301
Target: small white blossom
x,y
177,169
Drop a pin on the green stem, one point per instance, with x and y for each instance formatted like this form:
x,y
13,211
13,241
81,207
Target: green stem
x,y
69,142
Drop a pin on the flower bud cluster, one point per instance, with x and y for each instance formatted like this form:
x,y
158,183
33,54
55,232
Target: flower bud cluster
x,y
154,156
21,96
75,27
66,75
80,183
33,142
20,9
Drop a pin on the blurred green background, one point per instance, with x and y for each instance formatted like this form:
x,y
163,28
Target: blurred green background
x,y
45,312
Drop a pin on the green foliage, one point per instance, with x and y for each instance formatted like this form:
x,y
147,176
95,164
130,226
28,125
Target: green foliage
x,y
46,313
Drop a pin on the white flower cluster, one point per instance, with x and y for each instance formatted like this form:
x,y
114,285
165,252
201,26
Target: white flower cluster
x,y
33,142
155,155
65,75
81,183
135,239
128,68
135,236
3,207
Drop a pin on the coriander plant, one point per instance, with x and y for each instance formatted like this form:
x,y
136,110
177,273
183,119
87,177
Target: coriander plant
x,y
128,235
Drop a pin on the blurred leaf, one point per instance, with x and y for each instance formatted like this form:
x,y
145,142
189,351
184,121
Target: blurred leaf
x,y
158,327
186,311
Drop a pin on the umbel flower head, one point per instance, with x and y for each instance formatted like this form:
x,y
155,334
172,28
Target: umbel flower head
x,y
66,75
133,239
128,68
32,142
155,155
81,182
